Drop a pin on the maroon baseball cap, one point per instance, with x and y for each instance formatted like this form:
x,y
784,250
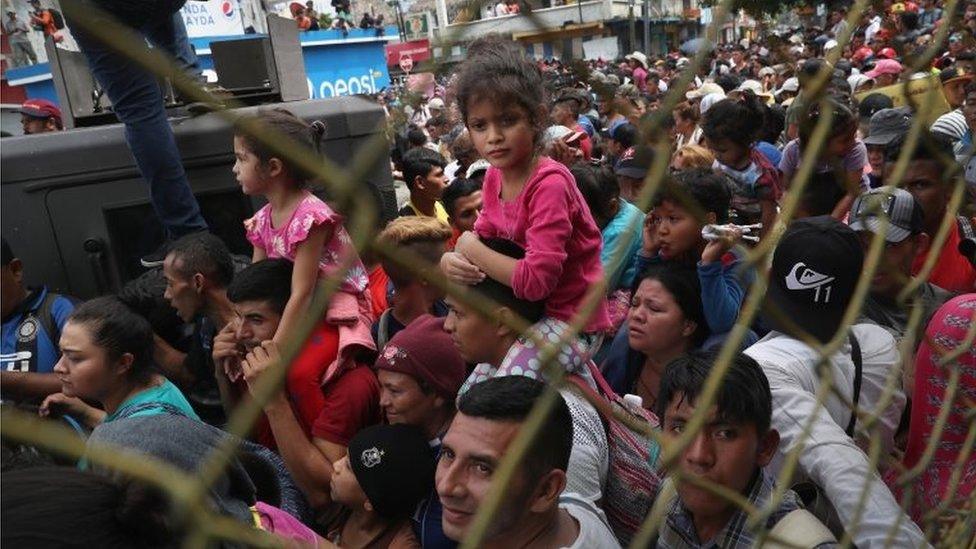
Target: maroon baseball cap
x,y
41,108
426,352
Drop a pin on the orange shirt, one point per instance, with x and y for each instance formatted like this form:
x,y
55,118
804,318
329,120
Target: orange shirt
x,y
378,280
452,242
46,21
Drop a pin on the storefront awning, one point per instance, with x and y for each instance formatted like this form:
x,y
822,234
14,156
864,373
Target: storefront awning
x,y
567,31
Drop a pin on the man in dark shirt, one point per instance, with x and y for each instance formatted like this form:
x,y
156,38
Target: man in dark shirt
x,y
904,237
198,269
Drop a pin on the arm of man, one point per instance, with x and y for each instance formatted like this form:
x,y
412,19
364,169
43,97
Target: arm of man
x,y
833,462
28,385
170,361
309,462
226,358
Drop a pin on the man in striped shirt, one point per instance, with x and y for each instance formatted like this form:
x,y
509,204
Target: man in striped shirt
x,y
953,124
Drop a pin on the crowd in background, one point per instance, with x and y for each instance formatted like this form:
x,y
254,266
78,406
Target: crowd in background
x,y
309,19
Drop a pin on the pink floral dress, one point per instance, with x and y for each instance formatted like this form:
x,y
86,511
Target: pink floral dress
x,y
283,241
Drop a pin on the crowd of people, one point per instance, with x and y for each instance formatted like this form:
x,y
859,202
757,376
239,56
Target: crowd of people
x,y
594,234
309,19
45,20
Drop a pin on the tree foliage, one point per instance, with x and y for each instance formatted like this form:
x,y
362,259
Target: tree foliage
x,y
761,8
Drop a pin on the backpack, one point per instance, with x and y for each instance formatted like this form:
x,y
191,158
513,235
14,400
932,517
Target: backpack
x,y
633,480
57,17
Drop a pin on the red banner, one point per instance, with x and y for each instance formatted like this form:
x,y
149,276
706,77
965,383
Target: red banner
x,y
417,50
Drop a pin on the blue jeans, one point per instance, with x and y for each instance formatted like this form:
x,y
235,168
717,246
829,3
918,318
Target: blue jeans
x,y
137,100
184,53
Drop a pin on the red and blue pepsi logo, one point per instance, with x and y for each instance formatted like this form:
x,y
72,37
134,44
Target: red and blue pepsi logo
x,y
227,8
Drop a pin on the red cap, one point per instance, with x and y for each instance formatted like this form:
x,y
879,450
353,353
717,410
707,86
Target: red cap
x,y
888,53
861,54
41,108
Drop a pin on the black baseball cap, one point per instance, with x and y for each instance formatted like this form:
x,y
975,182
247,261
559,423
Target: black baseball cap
x,y
814,272
874,103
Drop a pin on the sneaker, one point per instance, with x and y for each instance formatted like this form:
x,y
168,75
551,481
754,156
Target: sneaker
x,y
156,257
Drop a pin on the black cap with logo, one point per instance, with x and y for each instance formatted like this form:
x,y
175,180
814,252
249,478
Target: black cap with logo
x,y
394,466
815,270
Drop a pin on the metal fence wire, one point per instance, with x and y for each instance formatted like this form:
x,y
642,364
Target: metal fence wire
x,y
953,527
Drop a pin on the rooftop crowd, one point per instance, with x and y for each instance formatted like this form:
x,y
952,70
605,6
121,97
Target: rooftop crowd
x,y
592,227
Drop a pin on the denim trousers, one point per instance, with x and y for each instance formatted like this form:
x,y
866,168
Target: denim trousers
x,y
137,100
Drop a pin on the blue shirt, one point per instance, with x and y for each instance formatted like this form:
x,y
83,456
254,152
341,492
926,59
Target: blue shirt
x,y
153,401
587,124
770,152
427,525
625,227
27,346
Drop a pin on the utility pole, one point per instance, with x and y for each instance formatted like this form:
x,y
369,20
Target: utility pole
x,y
647,26
630,23
399,15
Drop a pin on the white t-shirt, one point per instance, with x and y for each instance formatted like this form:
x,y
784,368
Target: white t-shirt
x,y
593,530
589,459
451,170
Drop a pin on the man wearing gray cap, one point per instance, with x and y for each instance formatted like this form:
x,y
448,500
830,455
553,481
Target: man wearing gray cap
x,y
904,238
884,127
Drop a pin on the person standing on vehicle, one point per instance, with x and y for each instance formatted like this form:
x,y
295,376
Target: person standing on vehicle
x,y
40,116
20,44
138,102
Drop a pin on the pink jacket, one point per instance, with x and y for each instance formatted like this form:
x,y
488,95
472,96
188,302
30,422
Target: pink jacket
x,y
551,221
353,315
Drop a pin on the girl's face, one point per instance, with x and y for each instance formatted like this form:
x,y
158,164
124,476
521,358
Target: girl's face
x,y
732,154
677,230
344,487
504,136
84,369
682,125
248,169
876,155
657,326
839,145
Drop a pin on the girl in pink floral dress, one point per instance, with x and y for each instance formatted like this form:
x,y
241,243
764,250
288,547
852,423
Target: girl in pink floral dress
x,y
295,224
